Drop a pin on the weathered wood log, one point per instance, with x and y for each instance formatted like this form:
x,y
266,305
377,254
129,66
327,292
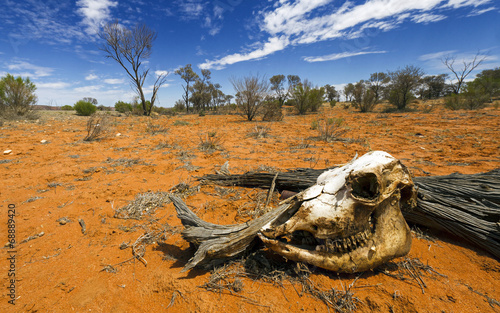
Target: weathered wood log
x,y
467,206
219,241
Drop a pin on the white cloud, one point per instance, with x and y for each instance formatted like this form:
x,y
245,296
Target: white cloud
x,y
91,77
158,73
427,18
114,81
337,56
88,89
309,21
477,12
436,55
274,44
25,69
462,3
190,9
95,12
54,85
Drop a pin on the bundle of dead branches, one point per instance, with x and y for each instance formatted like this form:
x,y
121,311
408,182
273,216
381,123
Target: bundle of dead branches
x,y
466,206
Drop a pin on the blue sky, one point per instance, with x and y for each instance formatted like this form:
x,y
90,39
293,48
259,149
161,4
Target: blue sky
x,y
324,41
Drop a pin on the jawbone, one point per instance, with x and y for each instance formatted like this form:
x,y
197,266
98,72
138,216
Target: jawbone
x,y
389,238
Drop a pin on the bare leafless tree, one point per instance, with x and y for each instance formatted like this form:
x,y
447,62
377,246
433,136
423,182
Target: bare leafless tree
x,y
463,71
129,47
250,94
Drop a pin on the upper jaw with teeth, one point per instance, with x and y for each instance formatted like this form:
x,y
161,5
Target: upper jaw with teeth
x,y
350,220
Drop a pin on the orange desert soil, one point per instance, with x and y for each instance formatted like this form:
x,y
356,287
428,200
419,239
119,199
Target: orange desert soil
x,y
66,270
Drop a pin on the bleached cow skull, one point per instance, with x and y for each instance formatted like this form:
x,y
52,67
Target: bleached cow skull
x,y
351,220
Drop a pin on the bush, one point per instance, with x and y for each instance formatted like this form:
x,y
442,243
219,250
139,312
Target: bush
x,y
330,129
470,99
123,107
17,96
85,108
66,107
364,98
306,98
272,111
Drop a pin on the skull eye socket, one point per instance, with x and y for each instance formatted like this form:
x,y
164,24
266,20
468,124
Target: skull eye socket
x,y
365,187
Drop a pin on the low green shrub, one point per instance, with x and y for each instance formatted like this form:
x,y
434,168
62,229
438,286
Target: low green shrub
x,y
123,107
67,107
85,108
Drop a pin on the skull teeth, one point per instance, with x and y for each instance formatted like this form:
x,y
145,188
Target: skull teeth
x,y
344,245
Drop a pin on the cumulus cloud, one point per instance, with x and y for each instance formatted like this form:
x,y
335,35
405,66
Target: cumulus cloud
x,y
91,77
158,73
94,13
337,56
293,23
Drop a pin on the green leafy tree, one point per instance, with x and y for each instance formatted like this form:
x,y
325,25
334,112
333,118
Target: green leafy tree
x,y
278,86
349,92
200,92
489,82
306,98
17,95
377,83
404,82
189,76
331,93
433,87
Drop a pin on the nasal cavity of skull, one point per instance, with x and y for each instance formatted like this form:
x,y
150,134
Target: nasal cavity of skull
x,y
365,186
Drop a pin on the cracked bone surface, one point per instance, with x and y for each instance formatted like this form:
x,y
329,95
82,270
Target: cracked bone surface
x,y
351,220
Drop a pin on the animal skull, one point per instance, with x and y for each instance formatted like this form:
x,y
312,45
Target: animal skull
x,y
351,220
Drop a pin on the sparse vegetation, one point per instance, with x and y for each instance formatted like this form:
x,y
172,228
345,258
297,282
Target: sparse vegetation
x,y
330,129
98,126
84,108
404,83
129,47
210,142
250,94
17,97
123,107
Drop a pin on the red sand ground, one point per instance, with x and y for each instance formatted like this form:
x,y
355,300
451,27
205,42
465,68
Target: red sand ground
x,y
67,177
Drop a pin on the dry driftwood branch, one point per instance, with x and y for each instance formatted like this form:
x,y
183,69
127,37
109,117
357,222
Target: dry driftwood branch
x,y
219,241
467,206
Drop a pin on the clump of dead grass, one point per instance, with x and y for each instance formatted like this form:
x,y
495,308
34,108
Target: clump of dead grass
x,y
255,266
144,203
210,142
154,129
259,132
409,270
98,126
329,129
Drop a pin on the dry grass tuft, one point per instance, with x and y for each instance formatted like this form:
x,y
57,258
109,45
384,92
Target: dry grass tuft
x,y
210,142
144,203
259,132
98,126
